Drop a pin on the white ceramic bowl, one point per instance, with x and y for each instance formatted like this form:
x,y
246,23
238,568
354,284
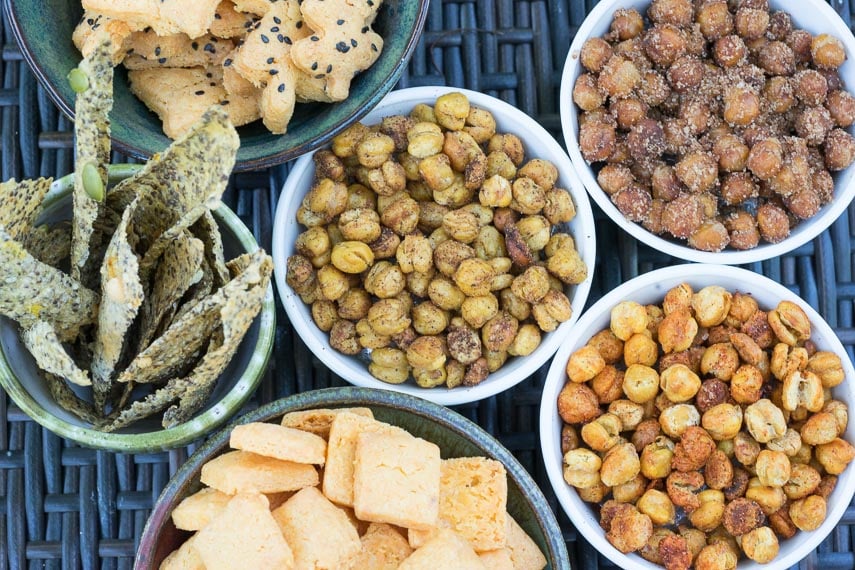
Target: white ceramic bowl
x,y
651,288
538,144
815,16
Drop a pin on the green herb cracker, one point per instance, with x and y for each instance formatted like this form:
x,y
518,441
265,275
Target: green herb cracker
x,y
50,355
50,244
207,230
20,204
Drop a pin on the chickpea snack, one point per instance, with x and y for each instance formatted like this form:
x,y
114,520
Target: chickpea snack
x,y
714,131
444,243
719,441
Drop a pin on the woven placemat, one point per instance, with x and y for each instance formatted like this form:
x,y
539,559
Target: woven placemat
x,y
70,507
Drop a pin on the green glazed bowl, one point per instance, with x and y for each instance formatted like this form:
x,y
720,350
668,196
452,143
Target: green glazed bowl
x,y
20,378
455,435
47,47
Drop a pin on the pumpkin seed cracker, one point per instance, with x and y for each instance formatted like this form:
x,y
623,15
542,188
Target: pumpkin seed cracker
x,y
50,355
175,273
164,357
236,316
121,296
92,148
153,403
50,244
20,205
69,401
201,289
207,230
177,187
31,290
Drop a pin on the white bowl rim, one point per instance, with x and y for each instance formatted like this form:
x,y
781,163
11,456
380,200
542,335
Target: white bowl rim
x,y
809,228
341,364
579,512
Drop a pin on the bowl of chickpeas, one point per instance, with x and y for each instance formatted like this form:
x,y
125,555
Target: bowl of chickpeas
x,y
697,417
716,132
443,247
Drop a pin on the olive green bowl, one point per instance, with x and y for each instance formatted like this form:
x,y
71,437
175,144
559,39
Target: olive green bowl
x,y
21,379
455,435
47,47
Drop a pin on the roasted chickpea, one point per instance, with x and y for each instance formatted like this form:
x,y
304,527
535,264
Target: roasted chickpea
x,y
389,365
584,364
388,316
527,340
620,464
765,421
839,150
640,349
630,530
656,458
499,332
716,556
552,310
841,106
664,43
720,360
683,489
676,419
827,52
582,468
618,77
834,456
679,383
640,383
657,506
300,275
809,513
723,421
760,544
711,305
773,223
595,53
477,311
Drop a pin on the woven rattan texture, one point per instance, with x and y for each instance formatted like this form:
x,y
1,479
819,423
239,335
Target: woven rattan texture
x,y
68,507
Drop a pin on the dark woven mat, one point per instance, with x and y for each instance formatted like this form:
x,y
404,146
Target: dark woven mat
x,y
70,507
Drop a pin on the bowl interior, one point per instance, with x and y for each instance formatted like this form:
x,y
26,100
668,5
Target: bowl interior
x,y
815,16
538,143
651,288
47,47
20,375
456,436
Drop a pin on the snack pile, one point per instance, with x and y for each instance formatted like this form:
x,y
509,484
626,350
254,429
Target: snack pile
x,y
704,428
436,244
256,58
719,123
383,499
149,313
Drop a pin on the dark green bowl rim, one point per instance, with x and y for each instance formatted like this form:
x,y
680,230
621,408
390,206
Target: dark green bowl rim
x,y
260,163
186,432
351,396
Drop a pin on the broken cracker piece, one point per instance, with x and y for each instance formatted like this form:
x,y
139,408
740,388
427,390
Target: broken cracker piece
x,y
243,472
192,17
200,508
271,440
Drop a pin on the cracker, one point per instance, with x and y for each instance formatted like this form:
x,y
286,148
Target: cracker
x,y
197,292
257,7
278,97
342,45
86,35
243,98
153,403
178,268
497,559
65,397
245,535
228,22
383,548
269,41
271,440
341,453
178,96
318,531
472,502
121,297
396,480
147,50
31,291
92,146
445,550
525,553
200,508
318,421
243,472
308,89
242,303
185,558
20,205
207,230
192,17
50,244
50,355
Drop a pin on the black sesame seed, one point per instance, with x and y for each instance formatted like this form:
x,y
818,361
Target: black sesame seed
x,y
314,38
370,3
365,30
269,60
274,29
299,24
90,21
200,92
274,71
329,68
281,87
340,22
157,51
247,24
342,47
277,20
224,103
315,66
210,48
161,61
209,75
373,47
212,84
227,63
353,42
217,17
265,39
285,39
96,26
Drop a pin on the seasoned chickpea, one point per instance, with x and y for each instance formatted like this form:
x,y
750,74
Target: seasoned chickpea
x,y
628,318
676,419
840,412
835,455
300,275
723,421
619,76
839,150
707,517
496,192
352,256
630,530
354,304
427,353
677,331
389,365
473,276
374,149
718,471
716,556
746,384
827,51
324,314
528,197
385,280
476,311
368,338
630,491
657,506
568,266
803,481
683,489
595,53
693,449
828,367
711,305
603,433
332,283
640,383
629,413
343,337
802,389
720,360
760,544
820,428
773,468
552,310
527,340
656,458
620,464
679,383
388,316
461,225
664,43
809,513
765,421
582,468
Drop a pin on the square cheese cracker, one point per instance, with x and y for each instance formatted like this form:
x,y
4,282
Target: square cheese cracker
x,y
525,553
245,535
320,533
319,421
396,480
341,452
383,548
445,550
200,508
271,440
242,471
473,501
